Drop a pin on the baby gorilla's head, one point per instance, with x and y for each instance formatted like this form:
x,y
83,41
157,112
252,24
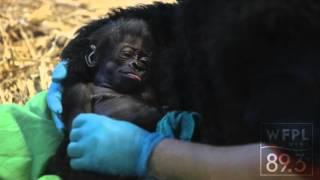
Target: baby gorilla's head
x,y
121,53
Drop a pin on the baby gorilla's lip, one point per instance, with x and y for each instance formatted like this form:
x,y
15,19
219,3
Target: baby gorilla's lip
x,y
134,76
131,75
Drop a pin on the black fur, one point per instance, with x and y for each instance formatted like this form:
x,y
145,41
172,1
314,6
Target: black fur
x,y
240,63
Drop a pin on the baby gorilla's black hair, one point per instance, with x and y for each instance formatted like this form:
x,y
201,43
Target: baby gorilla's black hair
x,y
108,37
158,17
104,40
115,31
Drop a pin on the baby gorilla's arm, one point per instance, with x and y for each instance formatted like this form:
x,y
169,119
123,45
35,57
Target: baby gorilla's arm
x,y
125,107
85,98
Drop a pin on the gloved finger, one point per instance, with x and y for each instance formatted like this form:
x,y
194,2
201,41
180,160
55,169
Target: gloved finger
x,y
75,150
60,71
174,118
79,121
164,127
57,121
75,135
187,129
79,163
188,123
171,119
54,98
83,118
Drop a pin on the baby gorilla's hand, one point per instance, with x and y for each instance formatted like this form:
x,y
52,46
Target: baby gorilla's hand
x,y
108,146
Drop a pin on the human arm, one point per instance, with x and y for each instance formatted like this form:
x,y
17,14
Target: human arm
x,y
173,159
114,147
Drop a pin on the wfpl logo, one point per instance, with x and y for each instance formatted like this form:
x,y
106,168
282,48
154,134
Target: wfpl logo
x,y
287,149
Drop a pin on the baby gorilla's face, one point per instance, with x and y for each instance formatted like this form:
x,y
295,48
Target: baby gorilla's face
x,y
127,68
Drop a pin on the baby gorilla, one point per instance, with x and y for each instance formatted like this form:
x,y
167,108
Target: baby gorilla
x,y
120,54
118,58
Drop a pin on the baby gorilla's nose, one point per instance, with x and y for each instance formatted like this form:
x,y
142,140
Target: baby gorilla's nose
x,y
137,66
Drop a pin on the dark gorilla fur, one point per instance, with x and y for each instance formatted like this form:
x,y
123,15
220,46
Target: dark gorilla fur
x,y
244,63
240,63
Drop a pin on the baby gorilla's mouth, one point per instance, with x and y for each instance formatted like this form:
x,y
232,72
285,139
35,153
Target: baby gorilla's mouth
x,y
131,74
134,76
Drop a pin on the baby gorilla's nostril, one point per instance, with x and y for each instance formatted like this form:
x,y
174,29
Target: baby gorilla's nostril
x,y
137,66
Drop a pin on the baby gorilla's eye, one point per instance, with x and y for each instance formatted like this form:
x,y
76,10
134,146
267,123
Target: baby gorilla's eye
x,y
126,55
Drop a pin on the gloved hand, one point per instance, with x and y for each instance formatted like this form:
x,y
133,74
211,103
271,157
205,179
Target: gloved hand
x,y
180,125
108,146
54,93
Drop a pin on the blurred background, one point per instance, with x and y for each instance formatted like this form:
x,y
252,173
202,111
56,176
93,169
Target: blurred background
x,y
32,34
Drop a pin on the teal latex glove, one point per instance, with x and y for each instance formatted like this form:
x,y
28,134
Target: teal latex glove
x,y
55,91
180,125
108,146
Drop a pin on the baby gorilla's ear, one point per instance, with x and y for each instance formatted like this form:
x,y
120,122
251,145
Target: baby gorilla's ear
x,y
91,61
